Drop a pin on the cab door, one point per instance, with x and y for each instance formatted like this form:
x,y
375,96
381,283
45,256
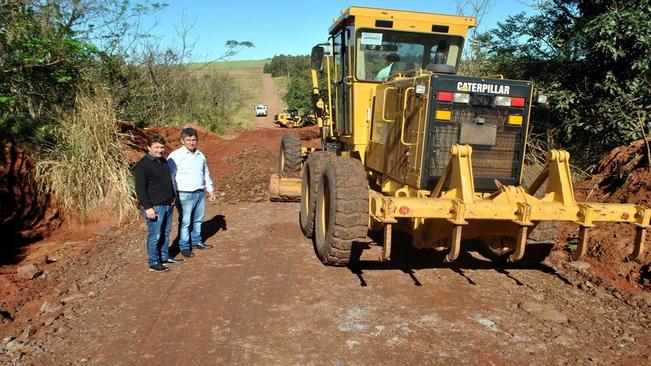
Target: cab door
x,y
342,81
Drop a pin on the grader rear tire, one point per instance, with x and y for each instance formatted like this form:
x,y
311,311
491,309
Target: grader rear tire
x,y
341,216
290,154
312,171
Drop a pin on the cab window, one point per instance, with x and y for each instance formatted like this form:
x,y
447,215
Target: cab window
x,y
382,53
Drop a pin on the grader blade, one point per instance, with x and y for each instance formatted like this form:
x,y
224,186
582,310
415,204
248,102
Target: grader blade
x,y
510,212
284,189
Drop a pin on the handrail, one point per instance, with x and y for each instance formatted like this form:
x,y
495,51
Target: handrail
x,y
384,104
404,117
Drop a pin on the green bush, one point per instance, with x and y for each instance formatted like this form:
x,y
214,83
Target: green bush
x,y
591,58
299,84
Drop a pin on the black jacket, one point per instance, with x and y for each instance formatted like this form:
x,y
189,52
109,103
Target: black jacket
x,y
154,185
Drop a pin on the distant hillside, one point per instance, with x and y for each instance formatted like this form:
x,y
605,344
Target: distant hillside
x,y
232,65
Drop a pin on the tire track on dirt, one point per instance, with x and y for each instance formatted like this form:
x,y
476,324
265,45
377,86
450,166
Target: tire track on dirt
x,y
261,297
272,98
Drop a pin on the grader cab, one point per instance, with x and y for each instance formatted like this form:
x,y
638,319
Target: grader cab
x,y
409,144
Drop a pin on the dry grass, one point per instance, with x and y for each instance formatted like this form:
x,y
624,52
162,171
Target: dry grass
x,y
88,171
538,147
229,65
281,83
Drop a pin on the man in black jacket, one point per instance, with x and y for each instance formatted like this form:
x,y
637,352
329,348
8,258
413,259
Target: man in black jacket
x,y
155,192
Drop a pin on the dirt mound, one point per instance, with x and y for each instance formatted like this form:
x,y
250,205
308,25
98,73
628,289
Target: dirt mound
x,y
24,215
248,181
308,133
623,176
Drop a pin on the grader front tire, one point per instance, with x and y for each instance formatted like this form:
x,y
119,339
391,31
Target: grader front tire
x,y
290,154
341,216
312,171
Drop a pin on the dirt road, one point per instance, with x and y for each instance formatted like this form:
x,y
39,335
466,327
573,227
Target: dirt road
x,y
271,98
261,297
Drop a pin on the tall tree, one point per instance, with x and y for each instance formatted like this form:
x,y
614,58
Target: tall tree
x,y
592,57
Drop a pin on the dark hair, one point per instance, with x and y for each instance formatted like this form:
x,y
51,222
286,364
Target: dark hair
x,y
393,57
187,132
154,138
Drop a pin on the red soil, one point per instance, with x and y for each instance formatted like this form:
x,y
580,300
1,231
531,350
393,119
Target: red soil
x,y
623,176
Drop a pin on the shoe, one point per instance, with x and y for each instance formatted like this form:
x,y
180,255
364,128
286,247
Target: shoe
x,y
187,253
173,261
158,267
201,246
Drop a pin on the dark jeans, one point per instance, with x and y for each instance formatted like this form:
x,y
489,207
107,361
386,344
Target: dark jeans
x,y
158,234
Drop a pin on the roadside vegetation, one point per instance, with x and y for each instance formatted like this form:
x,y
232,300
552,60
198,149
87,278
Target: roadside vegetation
x,y
296,70
591,58
280,83
72,69
85,166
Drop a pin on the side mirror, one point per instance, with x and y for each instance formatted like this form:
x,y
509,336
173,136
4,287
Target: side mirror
x,y
316,58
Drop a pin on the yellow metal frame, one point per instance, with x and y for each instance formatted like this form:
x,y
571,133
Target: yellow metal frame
x,y
460,205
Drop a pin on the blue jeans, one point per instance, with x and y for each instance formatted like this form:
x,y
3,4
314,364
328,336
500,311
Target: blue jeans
x,y
158,234
192,206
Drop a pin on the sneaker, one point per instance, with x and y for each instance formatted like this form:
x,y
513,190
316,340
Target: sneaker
x,y
158,267
201,246
173,261
187,253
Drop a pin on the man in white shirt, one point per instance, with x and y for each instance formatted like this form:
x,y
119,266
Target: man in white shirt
x,y
191,182
386,71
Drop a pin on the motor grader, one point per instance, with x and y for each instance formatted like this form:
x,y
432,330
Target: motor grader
x,y
288,118
421,149
291,119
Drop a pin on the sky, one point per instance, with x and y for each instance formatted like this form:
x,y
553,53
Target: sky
x,y
282,27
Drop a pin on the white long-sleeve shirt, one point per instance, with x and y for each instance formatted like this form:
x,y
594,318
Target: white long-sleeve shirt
x,y
189,170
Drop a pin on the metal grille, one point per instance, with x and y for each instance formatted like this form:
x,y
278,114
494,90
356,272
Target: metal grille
x,y
499,161
444,137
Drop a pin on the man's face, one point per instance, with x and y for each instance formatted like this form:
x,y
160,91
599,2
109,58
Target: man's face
x,y
190,143
156,149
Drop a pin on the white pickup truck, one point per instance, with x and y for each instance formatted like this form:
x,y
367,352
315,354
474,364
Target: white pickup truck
x,y
260,110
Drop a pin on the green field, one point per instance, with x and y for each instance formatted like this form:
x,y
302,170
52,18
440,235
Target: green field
x,y
281,85
230,65
251,89
248,78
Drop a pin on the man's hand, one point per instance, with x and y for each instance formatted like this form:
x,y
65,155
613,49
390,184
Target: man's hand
x,y
211,196
151,214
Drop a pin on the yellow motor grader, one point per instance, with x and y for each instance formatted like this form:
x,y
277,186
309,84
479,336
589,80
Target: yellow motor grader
x,y
288,119
409,144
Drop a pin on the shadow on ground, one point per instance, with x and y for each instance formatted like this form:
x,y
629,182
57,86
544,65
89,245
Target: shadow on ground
x,y
208,229
406,258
